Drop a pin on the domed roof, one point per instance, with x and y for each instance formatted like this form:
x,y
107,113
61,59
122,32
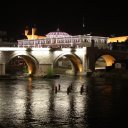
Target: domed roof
x,y
57,34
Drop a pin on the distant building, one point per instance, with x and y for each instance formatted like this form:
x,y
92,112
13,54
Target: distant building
x,y
4,41
118,43
32,34
57,39
117,39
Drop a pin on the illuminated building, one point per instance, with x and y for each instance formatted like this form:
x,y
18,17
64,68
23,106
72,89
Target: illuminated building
x,y
57,39
57,34
32,34
117,39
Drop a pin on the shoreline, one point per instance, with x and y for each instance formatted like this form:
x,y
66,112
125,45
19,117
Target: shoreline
x,y
115,73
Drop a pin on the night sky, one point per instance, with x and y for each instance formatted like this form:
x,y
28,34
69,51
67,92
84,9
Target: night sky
x,y
102,19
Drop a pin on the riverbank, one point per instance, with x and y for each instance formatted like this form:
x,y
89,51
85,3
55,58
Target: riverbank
x,y
8,77
115,73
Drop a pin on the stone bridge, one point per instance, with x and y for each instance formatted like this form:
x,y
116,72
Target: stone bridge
x,y
39,60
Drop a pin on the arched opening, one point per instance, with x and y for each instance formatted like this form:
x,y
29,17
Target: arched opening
x,y
68,64
104,61
21,65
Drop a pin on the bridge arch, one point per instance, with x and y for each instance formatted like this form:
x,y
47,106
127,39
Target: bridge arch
x,y
76,62
107,58
31,62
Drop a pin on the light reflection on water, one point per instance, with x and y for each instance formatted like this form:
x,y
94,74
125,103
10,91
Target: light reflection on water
x,y
34,103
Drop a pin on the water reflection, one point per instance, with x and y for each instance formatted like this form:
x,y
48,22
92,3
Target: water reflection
x,y
35,104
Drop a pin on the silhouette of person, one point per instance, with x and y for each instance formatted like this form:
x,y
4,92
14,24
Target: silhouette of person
x,y
55,89
82,89
68,89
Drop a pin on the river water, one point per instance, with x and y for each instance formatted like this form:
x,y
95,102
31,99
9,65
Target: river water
x,y
34,103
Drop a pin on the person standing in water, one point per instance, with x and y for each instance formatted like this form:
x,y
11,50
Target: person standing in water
x,y
82,89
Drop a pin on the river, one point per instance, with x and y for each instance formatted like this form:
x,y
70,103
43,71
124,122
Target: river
x,y
34,103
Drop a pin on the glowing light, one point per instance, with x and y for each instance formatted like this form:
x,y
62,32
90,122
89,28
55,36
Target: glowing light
x,y
33,35
108,59
29,70
80,68
119,39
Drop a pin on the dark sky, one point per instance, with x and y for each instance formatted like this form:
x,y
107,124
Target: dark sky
x,y
103,19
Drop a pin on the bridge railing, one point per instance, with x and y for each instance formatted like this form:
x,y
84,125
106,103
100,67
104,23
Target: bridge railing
x,y
76,41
